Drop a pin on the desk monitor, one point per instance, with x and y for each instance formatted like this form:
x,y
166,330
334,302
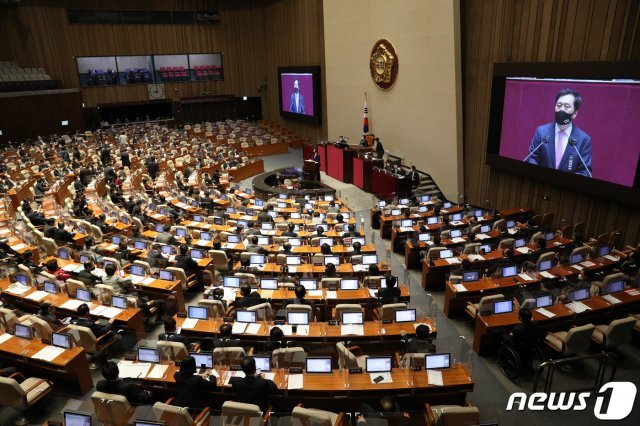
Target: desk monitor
x,y
477,213
124,219
455,233
346,215
544,301
361,240
140,245
263,241
406,223
148,355
230,210
549,235
405,315
203,360
396,212
485,228
84,295
382,203
545,265
76,419
509,271
403,201
298,318
183,199
181,232
324,226
263,363
603,251
162,212
614,286
22,279
136,270
578,294
158,228
107,263
309,283
352,318
243,223
308,206
166,249
233,239
470,276
205,236
268,283
194,203
425,198
295,215
50,287
424,237
423,209
369,259
281,205
327,241
61,340
272,214
446,254
196,254
197,218
349,284
245,316
503,307
319,365
511,223
432,220
23,331
378,364
197,312
293,260
119,302
257,259
166,275
486,248
152,207
295,241
231,282
84,259
266,226
328,197
576,258
332,259
116,240
282,196
258,202
520,242
63,254
437,361
456,217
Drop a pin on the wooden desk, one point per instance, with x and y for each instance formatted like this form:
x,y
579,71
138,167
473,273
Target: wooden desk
x,y
71,366
343,268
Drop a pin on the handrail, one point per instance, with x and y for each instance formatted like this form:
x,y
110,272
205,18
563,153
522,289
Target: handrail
x,y
552,364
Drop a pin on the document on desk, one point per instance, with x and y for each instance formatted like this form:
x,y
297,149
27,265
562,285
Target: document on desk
x,y
287,330
525,277
547,275
98,310
332,294
612,258
147,280
373,293
578,267
17,288
38,295
293,269
111,247
302,330
475,257
202,242
314,293
190,323
111,312
98,272
136,279
588,264
360,268
18,247
386,378
4,337
48,353
456,223
157,372
523,250
458,240
266,294
131,370
546,313
434,377
231,374
295,381
613,300
577,307
253,328
238,327
72,304
352,329
482,237
460,288
453,260
70,267
229,294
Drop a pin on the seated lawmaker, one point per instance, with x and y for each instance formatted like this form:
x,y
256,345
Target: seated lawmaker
x,y
84,320
192,390
390,293
125,387
252,389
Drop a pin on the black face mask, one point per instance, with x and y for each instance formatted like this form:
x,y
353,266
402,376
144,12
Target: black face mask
x,y
295,89
563,118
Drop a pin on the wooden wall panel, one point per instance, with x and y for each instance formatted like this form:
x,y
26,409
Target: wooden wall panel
x,y
530,31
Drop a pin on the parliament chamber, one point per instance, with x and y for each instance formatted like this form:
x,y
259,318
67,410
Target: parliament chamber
x,y
186,238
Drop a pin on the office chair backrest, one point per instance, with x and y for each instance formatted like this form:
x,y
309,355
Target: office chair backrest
x,y
619,332
578,339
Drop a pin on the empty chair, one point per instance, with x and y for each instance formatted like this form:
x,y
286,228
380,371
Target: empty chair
x,y
442,415
84,337
112,409
547,220
215,308
172,350
347,359
412,359
231,355
485,305
585,251
471,248
301,416
330,282
186,282
237,413
498,224
551,256
24,394
568,343
293,307
388,311
264,312
289,357
246,278
8,318
74,285
346,307
506,243
179,416
617,332
41,328
434,252
219,260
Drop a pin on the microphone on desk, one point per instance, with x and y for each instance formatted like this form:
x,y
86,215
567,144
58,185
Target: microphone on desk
x,y
573,143
544,141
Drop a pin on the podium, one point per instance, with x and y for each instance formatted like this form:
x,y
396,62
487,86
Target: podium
x,y
311,170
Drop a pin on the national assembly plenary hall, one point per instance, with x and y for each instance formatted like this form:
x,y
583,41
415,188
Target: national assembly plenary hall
x,y
319,212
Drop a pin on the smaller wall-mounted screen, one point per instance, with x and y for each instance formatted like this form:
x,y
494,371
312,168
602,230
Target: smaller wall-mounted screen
x,y
97,71
171,68
205,66
300,93
135,69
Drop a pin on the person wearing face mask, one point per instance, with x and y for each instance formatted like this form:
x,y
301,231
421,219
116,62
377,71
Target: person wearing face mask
x,y
297,101
561,145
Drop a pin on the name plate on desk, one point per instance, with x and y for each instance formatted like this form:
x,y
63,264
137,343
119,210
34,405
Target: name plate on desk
x,y
227,319
182,314
278,322
332,322
356,370
295,370
416,368
387,321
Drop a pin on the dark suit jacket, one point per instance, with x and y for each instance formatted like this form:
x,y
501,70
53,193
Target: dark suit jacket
x,y
292,105
63,235
105,156
546,154
125,387
165,238
126,161
191,390
88,278
264,217
185,262
253,390
248,301
98,330
389,293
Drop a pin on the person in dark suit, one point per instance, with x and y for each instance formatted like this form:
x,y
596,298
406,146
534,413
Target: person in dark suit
x,y
126,160
86,276
184,261
390,293
301,292
378,148
421,343
415,177
125,387
152,167
165,237
84,320
263,216
85,175
252,389
61,234
524,336
105,156
297,100
290,232
249,298
45,313
226,339
170,334
560,145
316,156
191,389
